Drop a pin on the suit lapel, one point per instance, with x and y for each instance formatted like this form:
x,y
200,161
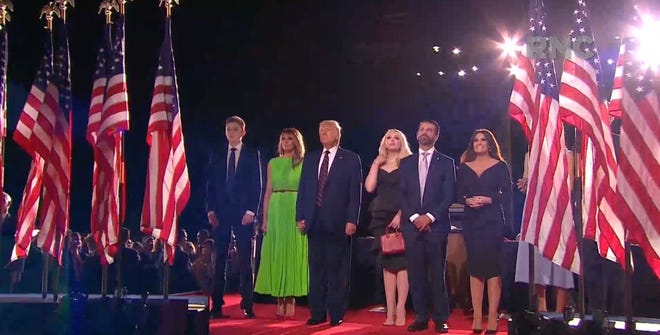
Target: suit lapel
x,y
432,163
416,179
222,160
315,164
337,160
241,158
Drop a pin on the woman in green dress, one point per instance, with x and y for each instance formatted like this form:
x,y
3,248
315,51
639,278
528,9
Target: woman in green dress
x,y
283,271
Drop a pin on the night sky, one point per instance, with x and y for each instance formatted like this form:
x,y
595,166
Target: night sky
x,y
291,64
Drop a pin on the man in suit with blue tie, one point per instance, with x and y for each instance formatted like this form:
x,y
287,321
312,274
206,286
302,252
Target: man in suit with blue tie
x,y
428,187
327,210
233,197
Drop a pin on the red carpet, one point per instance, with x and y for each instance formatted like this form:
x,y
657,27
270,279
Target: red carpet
x,y
356,322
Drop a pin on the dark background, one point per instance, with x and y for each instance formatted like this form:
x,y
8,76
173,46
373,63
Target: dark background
x,y
369,64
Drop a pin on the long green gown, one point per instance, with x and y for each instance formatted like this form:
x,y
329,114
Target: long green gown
x,y
283,270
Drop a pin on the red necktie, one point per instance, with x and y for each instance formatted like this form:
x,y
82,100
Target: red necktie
x,y
323,177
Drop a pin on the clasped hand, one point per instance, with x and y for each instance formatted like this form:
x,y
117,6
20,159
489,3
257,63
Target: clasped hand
x,y
422,223
478,201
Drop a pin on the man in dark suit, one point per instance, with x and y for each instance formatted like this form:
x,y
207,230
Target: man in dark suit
x,y
428,186
233,196
327,210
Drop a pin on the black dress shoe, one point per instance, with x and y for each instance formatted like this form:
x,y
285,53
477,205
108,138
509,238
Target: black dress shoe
x,y
336,323
418,326
314,322
248,313
441,328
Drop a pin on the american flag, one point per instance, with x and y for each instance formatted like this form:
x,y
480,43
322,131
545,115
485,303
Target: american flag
x,y
168,187
30,130
638,177
56,111
27,212
521,103
108,117
43,131
548,215
3,101
579,102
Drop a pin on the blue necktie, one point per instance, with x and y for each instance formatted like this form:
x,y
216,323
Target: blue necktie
x,y
231,170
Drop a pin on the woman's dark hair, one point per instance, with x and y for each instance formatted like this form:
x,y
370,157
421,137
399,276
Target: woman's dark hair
x,y
493,147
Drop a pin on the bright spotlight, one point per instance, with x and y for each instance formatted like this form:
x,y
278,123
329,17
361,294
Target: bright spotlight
x,y
436,48
461,73
456,51
649,50
514,70
509,47
474,68
610,61
441,73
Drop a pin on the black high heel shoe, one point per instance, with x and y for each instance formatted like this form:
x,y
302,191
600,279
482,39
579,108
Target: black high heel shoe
x,y
477,331
491,331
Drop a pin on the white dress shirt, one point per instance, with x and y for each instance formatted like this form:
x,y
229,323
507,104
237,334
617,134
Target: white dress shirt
x,y
331,158
419,164
237,154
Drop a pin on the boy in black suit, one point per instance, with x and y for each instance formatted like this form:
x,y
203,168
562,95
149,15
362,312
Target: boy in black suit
x,y
233,197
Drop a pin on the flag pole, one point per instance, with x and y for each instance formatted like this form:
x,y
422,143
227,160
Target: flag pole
x,y
47,12
62,6
577,217
121,208
168,4
106,8
4,18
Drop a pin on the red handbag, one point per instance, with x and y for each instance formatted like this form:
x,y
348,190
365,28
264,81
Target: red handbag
x,y
391,243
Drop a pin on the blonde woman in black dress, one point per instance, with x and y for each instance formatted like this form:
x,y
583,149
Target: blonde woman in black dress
x,y
484,185
384,179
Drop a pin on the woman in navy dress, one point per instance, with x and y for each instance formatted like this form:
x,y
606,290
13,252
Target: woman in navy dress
x,y
484,185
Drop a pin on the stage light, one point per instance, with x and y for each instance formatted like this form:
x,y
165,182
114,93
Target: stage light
x,y
441,73
649,50
610,61
456,51
574,322
418,74
514,70
436,48
509,46
639,326
474,68
461,73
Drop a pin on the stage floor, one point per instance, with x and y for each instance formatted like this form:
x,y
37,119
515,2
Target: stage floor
x,y
356,322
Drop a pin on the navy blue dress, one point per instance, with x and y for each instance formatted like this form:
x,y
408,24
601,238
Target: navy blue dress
x,y
384,207
483,228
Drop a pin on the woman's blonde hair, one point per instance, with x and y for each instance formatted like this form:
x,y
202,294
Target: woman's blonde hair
x,y
405,148
298,147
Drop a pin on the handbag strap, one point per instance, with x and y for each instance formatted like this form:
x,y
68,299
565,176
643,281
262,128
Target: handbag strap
x,y
390,230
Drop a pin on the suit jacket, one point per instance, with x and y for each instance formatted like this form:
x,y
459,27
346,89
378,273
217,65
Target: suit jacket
x,y
439,192
342,195
247,187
